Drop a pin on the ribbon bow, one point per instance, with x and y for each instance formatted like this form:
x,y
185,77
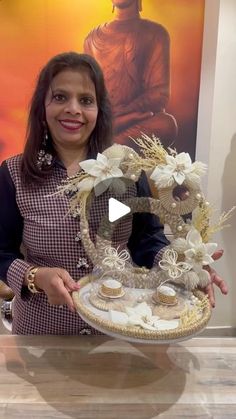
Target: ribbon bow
x,y
169,263
114,259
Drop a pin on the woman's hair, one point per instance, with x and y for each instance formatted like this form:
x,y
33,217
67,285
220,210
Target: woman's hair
x,y
100,138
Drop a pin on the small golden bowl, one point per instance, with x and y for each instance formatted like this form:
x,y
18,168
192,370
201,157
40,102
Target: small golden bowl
x,y
111,288
166,295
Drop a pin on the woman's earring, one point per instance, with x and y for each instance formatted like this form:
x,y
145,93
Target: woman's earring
x,y
44,158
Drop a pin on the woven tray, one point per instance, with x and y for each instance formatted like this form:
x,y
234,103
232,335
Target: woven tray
x,y
99,319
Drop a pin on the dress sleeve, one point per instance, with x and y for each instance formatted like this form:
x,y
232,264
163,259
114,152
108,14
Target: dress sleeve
x,y
12,264
147,239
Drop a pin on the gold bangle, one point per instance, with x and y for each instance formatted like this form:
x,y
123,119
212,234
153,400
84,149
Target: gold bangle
x,y
30,277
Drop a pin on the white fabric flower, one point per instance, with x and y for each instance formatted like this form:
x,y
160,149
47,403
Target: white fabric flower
x,y
102,171
102,168
141,315
198,254
177,169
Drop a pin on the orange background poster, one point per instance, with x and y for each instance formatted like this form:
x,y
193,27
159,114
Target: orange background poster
x,y
31,32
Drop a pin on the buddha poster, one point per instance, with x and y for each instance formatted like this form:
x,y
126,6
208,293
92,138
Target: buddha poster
x,y
149,50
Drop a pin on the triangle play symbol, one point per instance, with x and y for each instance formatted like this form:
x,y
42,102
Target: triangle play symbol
x,y
116,209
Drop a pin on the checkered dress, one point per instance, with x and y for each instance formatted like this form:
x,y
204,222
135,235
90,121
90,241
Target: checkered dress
x,y
51,237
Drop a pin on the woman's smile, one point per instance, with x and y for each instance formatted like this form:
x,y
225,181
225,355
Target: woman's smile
x,y
71,125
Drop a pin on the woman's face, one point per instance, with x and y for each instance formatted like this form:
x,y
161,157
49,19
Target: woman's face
x,y
71,109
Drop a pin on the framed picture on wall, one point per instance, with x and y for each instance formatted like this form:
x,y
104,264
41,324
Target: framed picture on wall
x,y
149,50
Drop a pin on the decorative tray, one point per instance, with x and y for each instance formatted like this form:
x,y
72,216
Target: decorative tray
x,y
176,322
138,308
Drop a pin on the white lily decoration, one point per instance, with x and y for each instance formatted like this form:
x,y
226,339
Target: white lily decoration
x,y
141,315
178,169
198,254
102,169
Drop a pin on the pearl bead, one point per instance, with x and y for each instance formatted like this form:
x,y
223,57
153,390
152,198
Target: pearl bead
x,y
207,203
133,177
198,196
131,155
173,205
179,228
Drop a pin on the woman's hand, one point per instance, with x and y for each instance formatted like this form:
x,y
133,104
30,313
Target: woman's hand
x,y
57,285
215,280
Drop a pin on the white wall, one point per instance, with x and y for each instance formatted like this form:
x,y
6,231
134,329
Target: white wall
x,y
216,139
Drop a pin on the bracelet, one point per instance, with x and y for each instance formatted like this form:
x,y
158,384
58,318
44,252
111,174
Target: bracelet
x,y
30,277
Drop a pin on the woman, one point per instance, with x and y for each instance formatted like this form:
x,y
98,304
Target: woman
x,y
69,121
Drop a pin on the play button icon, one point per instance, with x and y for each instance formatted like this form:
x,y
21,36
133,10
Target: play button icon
x,y
116,210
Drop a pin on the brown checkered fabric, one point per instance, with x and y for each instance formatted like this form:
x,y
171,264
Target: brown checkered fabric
x,y
50,238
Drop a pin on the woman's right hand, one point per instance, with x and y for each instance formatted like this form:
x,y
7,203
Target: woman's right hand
x,y
57,285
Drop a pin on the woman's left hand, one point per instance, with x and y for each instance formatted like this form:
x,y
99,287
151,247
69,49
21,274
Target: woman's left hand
x,y
215,280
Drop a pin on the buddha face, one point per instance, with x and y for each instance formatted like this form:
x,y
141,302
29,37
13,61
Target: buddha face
x,y
123,4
